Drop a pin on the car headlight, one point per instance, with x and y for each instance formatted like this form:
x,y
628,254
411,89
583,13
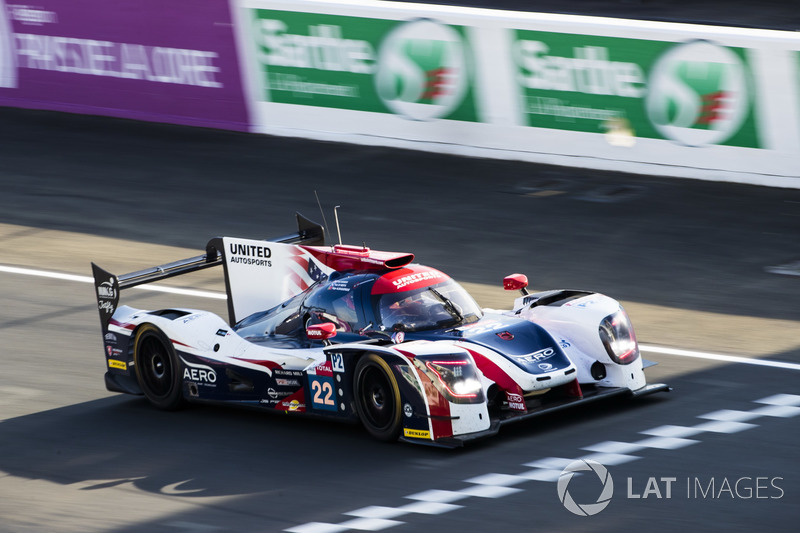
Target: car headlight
x,y
618,337
454,375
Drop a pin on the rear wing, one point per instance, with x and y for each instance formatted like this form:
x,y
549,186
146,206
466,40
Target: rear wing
x,y
108,286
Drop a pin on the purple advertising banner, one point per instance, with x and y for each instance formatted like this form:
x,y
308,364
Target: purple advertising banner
x,y
156,60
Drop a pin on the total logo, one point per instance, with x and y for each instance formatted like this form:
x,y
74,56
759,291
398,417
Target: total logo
x,y
698,94
422,70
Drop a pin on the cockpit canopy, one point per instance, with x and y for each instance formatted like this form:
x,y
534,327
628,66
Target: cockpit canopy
x,y
413,298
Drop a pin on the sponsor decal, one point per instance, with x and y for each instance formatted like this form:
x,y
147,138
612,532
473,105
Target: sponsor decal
x,y
418,69
398,337
545,366
535,357
249,254
515,401
408,411
339,285
323,369
696,93
119,365
110,338
272,393
412,279
294,405
287,382
222,332
190,318
581,303
113,352
287,373
199,373
416,433
107,296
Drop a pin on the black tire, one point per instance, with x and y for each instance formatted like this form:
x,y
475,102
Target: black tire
x,y
377,398
157,368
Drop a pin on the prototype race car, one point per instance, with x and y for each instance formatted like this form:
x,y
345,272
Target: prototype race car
x,y
356,334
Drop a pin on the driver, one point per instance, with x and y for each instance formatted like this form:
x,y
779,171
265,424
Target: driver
x,y
405,311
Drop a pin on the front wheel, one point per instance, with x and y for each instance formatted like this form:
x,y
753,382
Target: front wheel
x,y
157,368
377,398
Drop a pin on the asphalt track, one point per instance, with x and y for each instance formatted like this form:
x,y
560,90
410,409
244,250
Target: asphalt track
x,y
691,261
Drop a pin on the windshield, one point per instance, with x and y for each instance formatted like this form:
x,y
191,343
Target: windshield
x,y
438,306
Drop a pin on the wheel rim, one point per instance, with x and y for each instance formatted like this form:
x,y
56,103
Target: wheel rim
x,y
156,367
376,398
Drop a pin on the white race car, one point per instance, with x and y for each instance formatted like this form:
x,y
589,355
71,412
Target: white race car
x,y
356,334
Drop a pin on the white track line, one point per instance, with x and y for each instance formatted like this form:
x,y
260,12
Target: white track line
x,y
221,296
719,357
88,279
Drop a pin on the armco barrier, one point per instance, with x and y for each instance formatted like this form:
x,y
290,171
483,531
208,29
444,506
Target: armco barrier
x,y
657,98
156,60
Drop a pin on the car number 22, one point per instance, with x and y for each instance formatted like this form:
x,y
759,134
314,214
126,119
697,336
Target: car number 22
x,y
322,395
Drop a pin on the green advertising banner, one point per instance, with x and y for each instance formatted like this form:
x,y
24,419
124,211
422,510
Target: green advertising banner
x,y
694,93
419,69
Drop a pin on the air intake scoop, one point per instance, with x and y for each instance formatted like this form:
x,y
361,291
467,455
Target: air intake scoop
x,y
343,257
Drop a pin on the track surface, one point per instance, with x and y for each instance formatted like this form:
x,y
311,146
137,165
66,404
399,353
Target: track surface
x,y
688,258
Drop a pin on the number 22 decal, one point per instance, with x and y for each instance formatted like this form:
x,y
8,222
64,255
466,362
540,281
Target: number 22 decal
x,y
322,394
320,388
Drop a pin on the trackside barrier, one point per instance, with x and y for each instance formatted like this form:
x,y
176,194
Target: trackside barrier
x,y
655,98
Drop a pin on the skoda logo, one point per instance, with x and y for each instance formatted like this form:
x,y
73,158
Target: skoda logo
x,y
585,509
698,94
422,70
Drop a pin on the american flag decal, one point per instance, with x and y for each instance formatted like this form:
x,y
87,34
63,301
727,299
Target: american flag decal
x,y
303,271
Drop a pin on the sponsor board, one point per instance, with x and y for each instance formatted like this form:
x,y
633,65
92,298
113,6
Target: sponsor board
x,y
693,93
159,61
418,69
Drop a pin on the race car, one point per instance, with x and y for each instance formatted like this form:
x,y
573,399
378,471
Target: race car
x,y
351,333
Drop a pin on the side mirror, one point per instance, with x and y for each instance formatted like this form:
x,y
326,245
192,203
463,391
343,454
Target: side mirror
x,y
516,282
321,332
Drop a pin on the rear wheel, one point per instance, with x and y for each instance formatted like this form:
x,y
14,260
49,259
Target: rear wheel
x,y
377,398
157,368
